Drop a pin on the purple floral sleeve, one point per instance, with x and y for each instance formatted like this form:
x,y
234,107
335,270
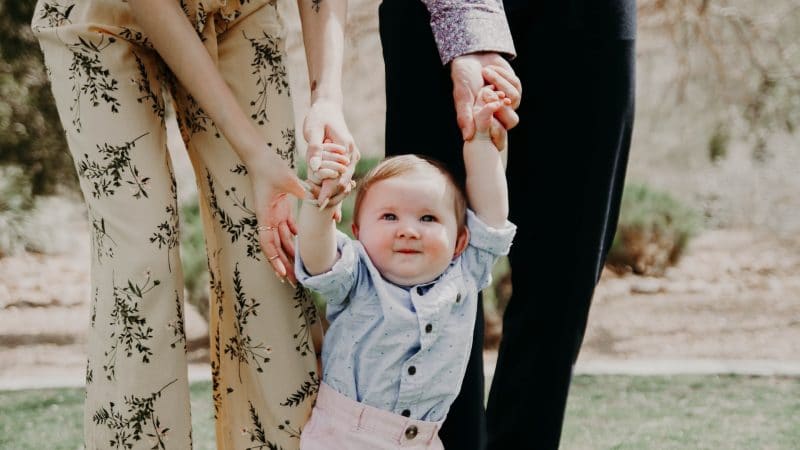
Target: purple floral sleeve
x,y
467,26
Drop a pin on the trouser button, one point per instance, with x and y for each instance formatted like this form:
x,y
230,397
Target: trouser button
x,y
411,432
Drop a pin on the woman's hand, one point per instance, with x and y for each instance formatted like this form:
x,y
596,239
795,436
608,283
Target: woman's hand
x,y
273,182
325,123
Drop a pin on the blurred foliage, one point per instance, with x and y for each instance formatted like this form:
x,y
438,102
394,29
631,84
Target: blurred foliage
x,y
742,55
31,136
193,257
16,202
718,143
653,231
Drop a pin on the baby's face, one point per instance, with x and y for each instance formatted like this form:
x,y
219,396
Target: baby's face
x,y
408,227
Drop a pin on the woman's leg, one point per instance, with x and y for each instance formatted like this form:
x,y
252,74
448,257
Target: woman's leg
x,y
108,96
262,355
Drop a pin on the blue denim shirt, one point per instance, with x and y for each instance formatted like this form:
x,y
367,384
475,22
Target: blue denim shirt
x,y
403,349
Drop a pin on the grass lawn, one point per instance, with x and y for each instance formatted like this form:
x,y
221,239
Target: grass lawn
x,y
605,412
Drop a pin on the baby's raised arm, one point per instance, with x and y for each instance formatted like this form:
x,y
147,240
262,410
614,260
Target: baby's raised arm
x,y
487,191
316,237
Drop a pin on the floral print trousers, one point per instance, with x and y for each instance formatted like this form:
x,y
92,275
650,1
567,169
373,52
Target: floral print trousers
x,y
108,83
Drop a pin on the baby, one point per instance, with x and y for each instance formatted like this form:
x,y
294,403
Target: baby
x,y
402,297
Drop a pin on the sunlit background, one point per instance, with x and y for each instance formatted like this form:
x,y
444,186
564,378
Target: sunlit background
x,y
702,289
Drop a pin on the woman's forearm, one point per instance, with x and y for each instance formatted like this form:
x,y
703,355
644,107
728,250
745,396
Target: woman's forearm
x,y
179,46
323,23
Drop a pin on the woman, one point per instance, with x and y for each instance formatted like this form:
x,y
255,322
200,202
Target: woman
x,y
223,64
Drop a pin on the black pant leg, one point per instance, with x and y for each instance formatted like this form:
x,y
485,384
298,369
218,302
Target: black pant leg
x,y
567,161
421,118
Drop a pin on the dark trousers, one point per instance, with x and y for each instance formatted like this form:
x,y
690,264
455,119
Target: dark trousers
x,y
566,169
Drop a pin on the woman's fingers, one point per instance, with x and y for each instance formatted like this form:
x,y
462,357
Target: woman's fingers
x,y
269,239
505,81
507,116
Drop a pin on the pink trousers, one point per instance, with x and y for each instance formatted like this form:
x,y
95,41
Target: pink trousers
x,y
340,423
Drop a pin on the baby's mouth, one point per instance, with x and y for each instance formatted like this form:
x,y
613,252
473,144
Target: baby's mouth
x,y
407,251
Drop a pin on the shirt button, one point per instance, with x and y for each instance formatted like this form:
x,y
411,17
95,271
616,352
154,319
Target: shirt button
x,y
458,297
419,290
406,413
411,432
428,328
412,370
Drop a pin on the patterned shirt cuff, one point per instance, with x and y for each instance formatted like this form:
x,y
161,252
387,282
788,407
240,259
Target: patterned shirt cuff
x,y
334,284
462,27
496,241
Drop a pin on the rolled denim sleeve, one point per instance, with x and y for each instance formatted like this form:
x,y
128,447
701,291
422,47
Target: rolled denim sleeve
x,y
486,245
468,26
334,285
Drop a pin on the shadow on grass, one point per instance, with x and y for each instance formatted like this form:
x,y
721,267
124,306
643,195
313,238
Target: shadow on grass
x,y
604,412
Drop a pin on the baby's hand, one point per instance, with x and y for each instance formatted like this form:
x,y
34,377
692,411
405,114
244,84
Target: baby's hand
x,y
328,164
488,102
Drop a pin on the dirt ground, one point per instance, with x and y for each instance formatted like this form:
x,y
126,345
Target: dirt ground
x,y
734,295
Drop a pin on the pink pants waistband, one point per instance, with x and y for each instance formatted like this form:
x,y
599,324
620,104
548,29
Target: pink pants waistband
x,y
399,429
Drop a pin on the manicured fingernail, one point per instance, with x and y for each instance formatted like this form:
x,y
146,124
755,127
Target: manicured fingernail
x,y
314,163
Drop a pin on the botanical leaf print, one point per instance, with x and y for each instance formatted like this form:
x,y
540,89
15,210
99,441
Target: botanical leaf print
x,y
244,228
176,325
306,391
56,14
94,305
257,434
114,169
101,241
140,421
287,150
89,77
287,428
308,317
215,286
130,331
241,347
240,169
136,37
193,119
167,234
146,89
268,66
89,372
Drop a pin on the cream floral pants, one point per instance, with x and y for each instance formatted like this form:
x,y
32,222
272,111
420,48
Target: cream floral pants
x,y
108,82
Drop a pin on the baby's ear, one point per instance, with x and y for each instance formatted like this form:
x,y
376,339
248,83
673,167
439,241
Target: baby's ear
x,y
461,242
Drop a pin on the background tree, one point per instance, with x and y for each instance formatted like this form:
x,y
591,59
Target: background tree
x,y
31,136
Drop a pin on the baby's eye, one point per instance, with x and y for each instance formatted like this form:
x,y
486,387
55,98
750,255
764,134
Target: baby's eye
x,y
428,218
388,216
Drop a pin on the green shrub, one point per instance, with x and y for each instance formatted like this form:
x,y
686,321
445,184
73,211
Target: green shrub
x,y
653,231
31,136
16,203
193,257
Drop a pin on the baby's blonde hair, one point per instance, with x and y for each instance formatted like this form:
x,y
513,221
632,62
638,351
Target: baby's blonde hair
x,y
400,165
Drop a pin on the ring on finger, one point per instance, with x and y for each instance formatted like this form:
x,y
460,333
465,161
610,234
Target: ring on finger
x,y
264,228
273,258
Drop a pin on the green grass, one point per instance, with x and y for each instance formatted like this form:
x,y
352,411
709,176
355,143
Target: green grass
x,y
683,412
604,412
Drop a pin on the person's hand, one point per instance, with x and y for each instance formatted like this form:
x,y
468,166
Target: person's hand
x,y
471,72
273,182
329,165
325,122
